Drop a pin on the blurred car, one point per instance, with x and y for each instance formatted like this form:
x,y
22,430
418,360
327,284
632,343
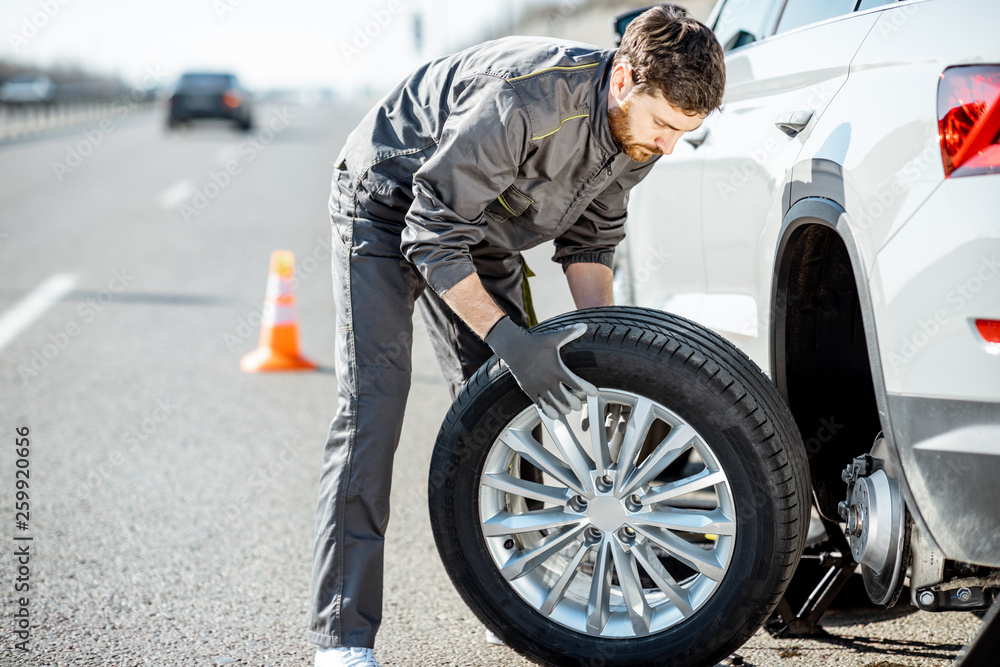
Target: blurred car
x,y
25,88
838,221
209,95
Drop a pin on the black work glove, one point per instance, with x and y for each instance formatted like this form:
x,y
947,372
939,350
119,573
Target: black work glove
x,y
533,359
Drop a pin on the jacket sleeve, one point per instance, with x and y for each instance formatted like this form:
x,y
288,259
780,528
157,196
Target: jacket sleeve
x,y
602,226
482,145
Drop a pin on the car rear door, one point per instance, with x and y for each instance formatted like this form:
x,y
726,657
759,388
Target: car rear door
x,y
776,90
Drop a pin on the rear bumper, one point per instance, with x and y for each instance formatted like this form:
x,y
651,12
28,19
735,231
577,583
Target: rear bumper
x,y
186,109
191,114
938,273
950,454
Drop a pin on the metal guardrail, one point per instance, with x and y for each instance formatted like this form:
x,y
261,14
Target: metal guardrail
x,y
27,118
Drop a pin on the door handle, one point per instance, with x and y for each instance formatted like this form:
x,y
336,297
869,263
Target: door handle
x,y
697,137
793,122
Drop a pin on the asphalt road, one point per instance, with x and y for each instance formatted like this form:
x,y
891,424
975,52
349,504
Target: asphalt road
x,y
171,494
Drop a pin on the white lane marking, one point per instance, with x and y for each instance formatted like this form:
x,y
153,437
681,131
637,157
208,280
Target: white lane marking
x,y
23,313
176,194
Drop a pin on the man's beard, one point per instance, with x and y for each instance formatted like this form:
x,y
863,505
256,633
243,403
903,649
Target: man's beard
x,y
621,134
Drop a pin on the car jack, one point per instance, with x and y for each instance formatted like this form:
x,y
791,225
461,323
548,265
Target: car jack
x,y
817,581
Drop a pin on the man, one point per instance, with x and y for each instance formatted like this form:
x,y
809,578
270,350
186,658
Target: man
x,y
472,158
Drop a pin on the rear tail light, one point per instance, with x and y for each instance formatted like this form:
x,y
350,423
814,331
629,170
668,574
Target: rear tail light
x,y
232,99
989,330
969,120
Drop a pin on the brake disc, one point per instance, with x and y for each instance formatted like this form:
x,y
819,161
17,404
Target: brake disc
x,y
878,528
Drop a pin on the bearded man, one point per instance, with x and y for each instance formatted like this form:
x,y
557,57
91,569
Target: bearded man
x,y
471,159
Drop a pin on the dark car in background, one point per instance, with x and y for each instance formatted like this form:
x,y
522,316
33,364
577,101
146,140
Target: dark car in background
x,y
209,95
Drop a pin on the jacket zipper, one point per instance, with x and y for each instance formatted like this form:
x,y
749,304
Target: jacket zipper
x,y
607,164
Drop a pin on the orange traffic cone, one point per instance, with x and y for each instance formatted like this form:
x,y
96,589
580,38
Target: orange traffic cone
x,y
279,333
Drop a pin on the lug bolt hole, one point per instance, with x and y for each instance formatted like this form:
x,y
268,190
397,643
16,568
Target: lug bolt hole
x,y
594,533
578,504
605,483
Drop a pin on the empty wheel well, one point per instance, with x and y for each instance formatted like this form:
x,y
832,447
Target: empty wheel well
x,y
821,361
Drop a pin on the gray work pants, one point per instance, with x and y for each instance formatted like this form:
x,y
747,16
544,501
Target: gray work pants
x,y
375,289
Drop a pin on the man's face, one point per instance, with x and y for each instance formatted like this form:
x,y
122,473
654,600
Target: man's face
x,y
644,125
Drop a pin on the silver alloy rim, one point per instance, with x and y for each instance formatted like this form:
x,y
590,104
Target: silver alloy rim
x,y
612,540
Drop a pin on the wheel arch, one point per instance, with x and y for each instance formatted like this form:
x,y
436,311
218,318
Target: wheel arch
x,y
821,306
830,215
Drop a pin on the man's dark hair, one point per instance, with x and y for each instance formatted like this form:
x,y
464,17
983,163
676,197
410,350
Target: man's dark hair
x,y
677,56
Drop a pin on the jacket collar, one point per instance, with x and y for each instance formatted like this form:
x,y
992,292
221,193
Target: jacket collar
x,y
599,104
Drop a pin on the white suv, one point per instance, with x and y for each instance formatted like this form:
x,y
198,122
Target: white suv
x,y
839,220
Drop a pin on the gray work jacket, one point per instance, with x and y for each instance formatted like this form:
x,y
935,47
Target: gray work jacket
x,y
507,142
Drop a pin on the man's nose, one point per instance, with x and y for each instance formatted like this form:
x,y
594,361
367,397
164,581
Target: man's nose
x,y
666,142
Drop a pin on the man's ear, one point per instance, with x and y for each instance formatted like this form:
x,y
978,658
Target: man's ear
x,y
621,81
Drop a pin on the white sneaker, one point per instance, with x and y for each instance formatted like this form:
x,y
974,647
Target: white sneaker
x,y
346,656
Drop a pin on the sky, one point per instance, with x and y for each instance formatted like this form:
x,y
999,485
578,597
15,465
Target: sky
x,y
346,45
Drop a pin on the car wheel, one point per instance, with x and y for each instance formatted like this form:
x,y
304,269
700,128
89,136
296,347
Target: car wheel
x,y
670,514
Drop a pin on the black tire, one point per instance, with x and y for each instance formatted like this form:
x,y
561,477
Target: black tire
x,y
736,411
